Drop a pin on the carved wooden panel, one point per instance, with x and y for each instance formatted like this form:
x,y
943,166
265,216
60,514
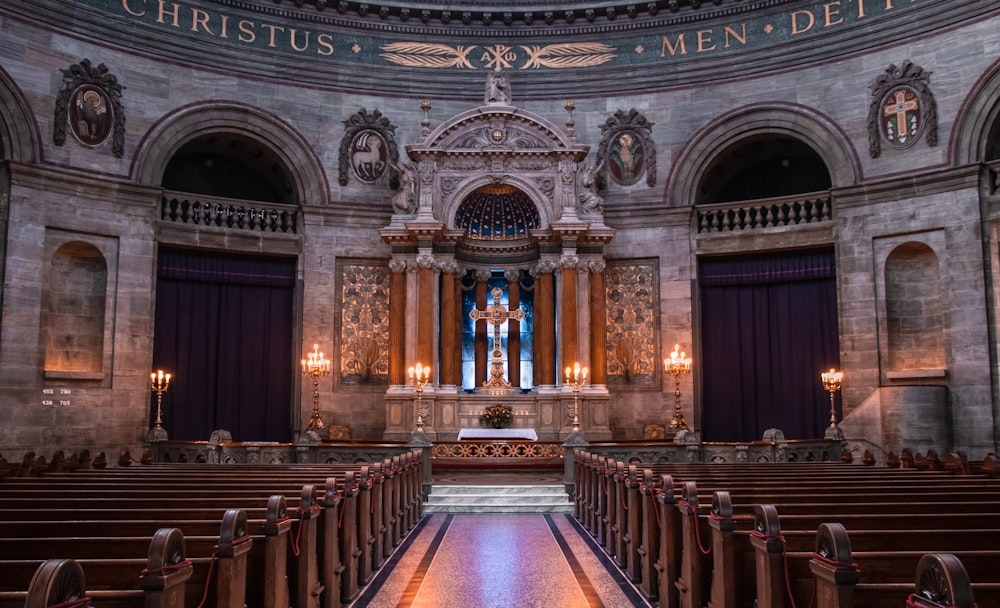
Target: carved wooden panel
x,y
364,323
631,288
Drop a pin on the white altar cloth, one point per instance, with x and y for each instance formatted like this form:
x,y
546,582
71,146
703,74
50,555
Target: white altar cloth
x,y
481,433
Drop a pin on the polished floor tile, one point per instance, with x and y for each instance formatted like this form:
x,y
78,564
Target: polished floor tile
x,y
499,561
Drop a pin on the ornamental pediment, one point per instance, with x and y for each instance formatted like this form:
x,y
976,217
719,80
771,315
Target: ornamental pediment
x,y
492,130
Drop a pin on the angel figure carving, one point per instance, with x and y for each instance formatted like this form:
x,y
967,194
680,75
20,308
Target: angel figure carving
x,y
405,201
590,200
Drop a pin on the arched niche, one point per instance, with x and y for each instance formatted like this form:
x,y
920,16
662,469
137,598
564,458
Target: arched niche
x,y
75,311
784,121
914,312
198,122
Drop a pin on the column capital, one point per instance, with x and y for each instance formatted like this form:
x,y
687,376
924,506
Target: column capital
x,y
397,265
569,261
544,267
450,266
513,275
425,260
597,265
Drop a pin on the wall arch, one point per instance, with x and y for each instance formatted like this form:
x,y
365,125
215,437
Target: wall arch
x,y
978,114
174,130
794,121
19,138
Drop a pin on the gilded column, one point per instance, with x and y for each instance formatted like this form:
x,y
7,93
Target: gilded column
x,y
397,322
513,328
569,343
598,323
545,324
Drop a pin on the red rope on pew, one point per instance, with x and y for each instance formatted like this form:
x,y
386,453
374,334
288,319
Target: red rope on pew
x,y
208,579
298,533
211,565
167,568
910,603
656,509
83,601
697,531
833,562
784,559
343,507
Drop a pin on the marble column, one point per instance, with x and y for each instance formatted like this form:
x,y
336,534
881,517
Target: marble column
x,y
482,342
397,322
425,311
569,343
513,328
451,311
598,324
545,323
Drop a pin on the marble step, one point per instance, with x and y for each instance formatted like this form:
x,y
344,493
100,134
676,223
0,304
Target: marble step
x,y
498,499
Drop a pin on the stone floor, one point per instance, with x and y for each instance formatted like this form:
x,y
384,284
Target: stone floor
x,y
499,560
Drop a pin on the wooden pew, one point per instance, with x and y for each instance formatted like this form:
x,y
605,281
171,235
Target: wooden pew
x,y
408,500
405,473
165,578
657,573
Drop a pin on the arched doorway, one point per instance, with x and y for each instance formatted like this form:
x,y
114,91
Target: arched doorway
x,y
768,320
224,322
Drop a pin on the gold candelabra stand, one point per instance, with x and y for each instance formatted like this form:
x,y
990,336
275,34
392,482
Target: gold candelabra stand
x,y
419,377
159,383
677,365
317,366
832,381
576,377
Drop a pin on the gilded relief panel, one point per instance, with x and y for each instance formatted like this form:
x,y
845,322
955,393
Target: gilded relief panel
x,y
364,323
631,291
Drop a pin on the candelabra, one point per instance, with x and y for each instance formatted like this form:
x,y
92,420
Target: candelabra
x,y
677,365
317,366
159,383
832,381
576,377
419,377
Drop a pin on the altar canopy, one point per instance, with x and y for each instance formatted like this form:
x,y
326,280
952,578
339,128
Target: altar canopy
x,y
498,234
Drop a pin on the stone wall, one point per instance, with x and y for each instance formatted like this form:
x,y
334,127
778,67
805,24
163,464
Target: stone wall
x,y
77,193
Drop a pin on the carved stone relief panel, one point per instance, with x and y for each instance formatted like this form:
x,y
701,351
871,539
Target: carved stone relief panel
x,y
364,322
902,109
632,290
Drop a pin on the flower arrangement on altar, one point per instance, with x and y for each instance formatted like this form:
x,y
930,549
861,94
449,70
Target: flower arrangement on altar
x,y
497,417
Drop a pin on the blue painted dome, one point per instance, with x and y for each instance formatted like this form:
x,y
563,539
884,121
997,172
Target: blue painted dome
x,y
497,213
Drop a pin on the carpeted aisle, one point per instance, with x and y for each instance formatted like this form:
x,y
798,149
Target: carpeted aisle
x,y
499,561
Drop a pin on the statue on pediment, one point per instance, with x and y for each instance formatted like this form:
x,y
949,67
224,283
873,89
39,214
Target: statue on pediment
x,y
497,88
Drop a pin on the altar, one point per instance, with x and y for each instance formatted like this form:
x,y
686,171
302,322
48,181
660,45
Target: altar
x,y
487,433
451,414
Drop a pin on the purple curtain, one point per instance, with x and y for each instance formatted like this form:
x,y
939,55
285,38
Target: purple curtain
x,y
224,328
768,329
